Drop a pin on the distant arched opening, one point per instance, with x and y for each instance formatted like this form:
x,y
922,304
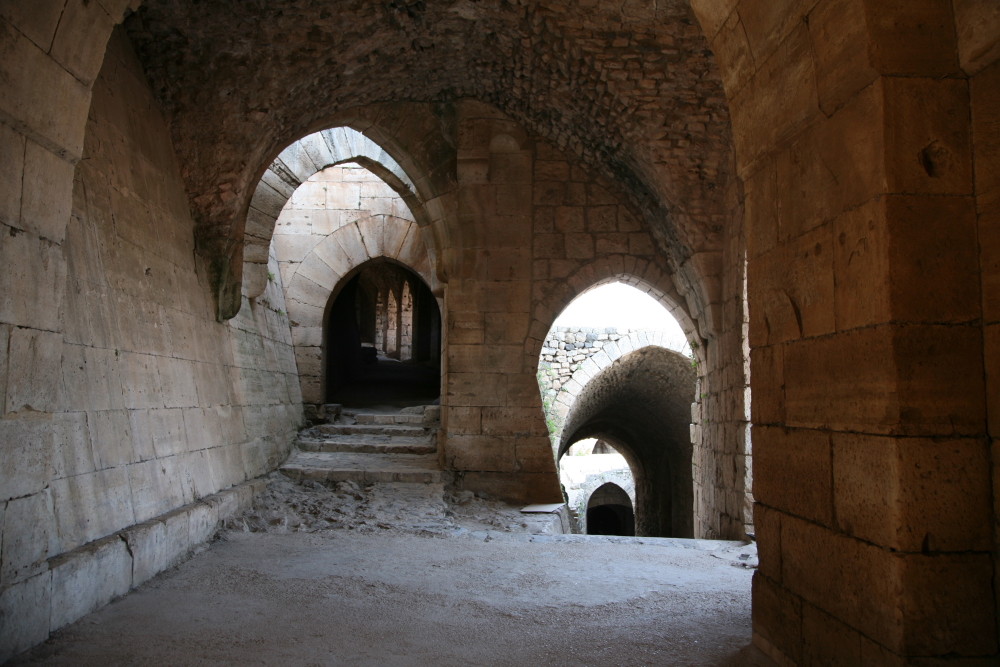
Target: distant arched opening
x,y
609,511
375,309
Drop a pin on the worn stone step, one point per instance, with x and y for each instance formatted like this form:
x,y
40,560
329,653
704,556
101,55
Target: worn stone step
x,y
368,445
363,468
372,430
386,419
423,415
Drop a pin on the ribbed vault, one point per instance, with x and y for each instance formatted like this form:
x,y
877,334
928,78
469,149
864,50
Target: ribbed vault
x,y
630,88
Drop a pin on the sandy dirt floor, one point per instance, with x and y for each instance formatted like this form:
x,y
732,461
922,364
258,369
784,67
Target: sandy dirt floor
x,y
413,593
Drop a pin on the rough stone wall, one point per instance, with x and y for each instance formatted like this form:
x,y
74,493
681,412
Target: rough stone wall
x,y
563,370
863,177
127,407
334,222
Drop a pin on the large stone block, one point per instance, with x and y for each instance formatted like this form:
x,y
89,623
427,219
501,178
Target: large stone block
x,y
777,621
793,288
33,374
839,35
89,578
11,176
832,165
905,380
488,358
948,605
111,438
150,547
140,380
927,135
792,454
534,455
732,53
71,451
463,420
167,430
928,495
479,452
825,640
912,37
177,382
31,284
985,100
42,97
27,538
91,506
978,26
26,445
516,421
933,256
24,609
157,487
856,582
862,266
779,100
712,14
81,39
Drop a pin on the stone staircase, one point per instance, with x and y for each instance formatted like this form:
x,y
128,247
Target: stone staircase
x,y
368,446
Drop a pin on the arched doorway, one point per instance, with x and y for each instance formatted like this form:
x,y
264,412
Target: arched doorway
x,y
609,511
375,308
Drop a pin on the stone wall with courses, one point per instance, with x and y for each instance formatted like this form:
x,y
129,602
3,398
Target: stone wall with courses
x,y
127,408
502,298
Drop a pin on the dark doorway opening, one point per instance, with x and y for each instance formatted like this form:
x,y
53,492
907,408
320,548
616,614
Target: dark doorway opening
x,y
609,511
382,339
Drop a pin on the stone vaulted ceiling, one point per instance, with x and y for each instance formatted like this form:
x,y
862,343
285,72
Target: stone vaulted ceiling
x,y
628,87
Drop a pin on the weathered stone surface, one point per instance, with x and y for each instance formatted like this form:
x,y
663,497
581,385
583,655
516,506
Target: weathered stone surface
x,y
25,609
28,537
89,578
26,445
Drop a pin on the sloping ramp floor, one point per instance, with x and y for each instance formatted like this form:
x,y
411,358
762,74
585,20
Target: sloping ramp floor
x,y
391,598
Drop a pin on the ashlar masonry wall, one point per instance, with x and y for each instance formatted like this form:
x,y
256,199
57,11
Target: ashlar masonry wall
x,y
131,418
503,296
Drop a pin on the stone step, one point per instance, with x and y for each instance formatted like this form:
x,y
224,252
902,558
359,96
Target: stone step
x,y
374,431
424,415
369,418
360,444
363,468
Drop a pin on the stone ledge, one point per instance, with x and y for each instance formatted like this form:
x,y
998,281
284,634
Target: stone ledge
x,y
81,581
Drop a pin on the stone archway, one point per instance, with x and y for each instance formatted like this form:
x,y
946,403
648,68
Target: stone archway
x,y
610,511
363,325
641,404
335,222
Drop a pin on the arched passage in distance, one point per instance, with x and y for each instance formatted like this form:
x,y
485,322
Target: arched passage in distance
x,y
609,511
366,318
